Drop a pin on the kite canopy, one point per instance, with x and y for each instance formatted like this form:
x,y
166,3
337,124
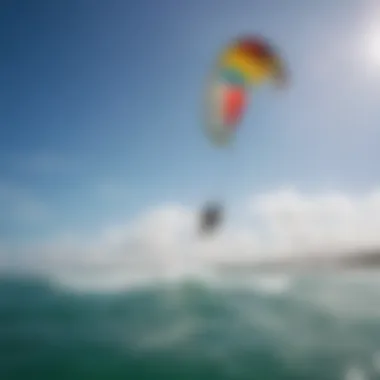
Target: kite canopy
x,y
242,66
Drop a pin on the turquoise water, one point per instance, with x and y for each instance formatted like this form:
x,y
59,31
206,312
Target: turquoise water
x,y
187,330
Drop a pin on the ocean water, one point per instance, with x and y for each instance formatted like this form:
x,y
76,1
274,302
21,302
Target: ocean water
x,y
267,328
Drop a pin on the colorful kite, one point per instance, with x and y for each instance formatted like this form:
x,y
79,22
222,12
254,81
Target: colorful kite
x,y
243,66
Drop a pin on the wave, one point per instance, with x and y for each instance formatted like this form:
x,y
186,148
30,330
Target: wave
x,y
318,327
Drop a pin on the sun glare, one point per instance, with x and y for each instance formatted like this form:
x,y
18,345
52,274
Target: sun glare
x,y
371,46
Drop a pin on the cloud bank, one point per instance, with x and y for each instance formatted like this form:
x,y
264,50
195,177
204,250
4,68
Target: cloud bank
x,y
163,242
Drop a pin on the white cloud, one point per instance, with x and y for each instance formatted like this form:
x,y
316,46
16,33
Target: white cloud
x,y
329,222
164,242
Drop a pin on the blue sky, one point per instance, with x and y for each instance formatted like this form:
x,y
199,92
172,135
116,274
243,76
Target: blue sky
x,y
101,107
